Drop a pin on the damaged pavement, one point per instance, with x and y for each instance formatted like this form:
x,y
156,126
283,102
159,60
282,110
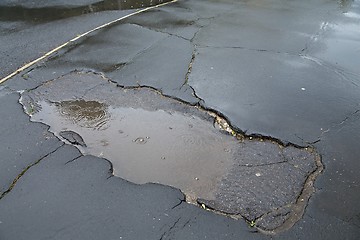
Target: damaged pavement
x,y
273,80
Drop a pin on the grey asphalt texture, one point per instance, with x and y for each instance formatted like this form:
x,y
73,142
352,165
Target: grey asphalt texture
x,y
283,70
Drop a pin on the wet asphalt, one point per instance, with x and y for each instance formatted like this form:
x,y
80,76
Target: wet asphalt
x,y
285,70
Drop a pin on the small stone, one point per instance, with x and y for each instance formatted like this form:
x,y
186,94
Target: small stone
x,y
73,138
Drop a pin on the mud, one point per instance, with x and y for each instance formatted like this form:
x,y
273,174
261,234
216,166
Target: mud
x,y
152,138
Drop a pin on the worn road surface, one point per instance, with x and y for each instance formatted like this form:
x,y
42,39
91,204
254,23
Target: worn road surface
x,y
192,119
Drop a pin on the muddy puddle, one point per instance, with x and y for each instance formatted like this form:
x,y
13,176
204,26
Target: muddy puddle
x,y
152,138
38,13
147,146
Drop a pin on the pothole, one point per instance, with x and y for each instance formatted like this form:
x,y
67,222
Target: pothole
x,y
152,138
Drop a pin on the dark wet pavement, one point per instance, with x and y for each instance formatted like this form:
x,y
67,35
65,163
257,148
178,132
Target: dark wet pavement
x,y
286,70
35,12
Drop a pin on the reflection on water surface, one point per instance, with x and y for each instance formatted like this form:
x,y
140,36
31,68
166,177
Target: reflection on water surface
x,y
88,114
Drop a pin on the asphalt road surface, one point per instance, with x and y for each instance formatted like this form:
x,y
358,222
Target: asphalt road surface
x,y
257,104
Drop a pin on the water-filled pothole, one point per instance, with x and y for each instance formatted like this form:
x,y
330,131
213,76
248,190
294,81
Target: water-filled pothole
x,y
159,146
152,138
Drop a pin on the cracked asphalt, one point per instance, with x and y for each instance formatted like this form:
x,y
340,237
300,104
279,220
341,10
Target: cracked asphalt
x,y
281,71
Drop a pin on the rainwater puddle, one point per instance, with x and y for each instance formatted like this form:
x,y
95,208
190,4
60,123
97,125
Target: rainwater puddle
x,y
48,13
170,148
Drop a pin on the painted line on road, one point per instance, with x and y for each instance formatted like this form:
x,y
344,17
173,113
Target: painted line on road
x,y
77,38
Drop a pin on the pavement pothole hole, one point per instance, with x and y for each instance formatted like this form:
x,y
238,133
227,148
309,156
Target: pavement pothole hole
x,y
152,138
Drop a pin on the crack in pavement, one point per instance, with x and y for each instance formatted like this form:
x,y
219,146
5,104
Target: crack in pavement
x,y
25,170
170,229
337,126
332,68
181,201
245,48
321,31
348,117
298,209
72,160
158,90
140,53
186,82
159,31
